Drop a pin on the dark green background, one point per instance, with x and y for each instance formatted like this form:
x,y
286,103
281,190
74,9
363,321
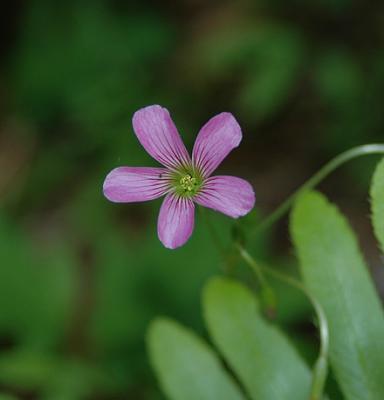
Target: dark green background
x,y
80,278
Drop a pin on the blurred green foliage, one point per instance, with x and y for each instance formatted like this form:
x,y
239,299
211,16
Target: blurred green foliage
x,y
81,278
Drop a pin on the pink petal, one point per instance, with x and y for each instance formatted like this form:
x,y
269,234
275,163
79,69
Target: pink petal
x,y
216,139
129,184
230,195
159,136
176,221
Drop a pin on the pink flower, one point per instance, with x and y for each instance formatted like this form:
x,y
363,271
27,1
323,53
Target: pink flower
x,y
183,181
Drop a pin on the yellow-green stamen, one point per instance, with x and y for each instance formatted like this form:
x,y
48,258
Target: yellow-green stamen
x,y
188,183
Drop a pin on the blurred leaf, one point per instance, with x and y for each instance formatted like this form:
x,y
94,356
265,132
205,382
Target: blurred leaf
x,y
266,60
339,78
349,101
36,290
261,356
336,274
272,73
225,50
338,7
87,64
57,378
377,202
135,277
76,380
118,320
26,369
186,367
4,396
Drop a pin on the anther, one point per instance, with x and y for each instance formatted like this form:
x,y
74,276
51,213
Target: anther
x,y
188,183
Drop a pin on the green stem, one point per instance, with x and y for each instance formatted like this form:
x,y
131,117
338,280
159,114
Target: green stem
x,y
321,365
316,179
257,269
267,294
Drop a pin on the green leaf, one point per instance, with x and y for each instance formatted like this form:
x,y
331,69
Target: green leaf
x,y
336,274
186,367
266,363
377,202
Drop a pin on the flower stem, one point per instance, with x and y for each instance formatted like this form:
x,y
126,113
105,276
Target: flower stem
x,y
321,365
267,294
331,166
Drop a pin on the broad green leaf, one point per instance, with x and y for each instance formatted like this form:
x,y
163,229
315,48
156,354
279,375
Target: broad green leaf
x,y
335,272
186,367
377,202
263,359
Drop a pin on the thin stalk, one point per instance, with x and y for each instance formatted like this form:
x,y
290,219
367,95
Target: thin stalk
x,y
256,268
267,294
328,168
321,365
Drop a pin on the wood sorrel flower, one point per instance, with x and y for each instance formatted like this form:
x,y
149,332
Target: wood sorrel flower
x,y
183,180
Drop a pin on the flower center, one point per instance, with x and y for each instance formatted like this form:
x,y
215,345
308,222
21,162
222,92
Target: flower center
x,y
188,183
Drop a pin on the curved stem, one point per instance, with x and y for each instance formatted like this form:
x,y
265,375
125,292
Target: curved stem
x,y
317,178
256,268
267,294
321,365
